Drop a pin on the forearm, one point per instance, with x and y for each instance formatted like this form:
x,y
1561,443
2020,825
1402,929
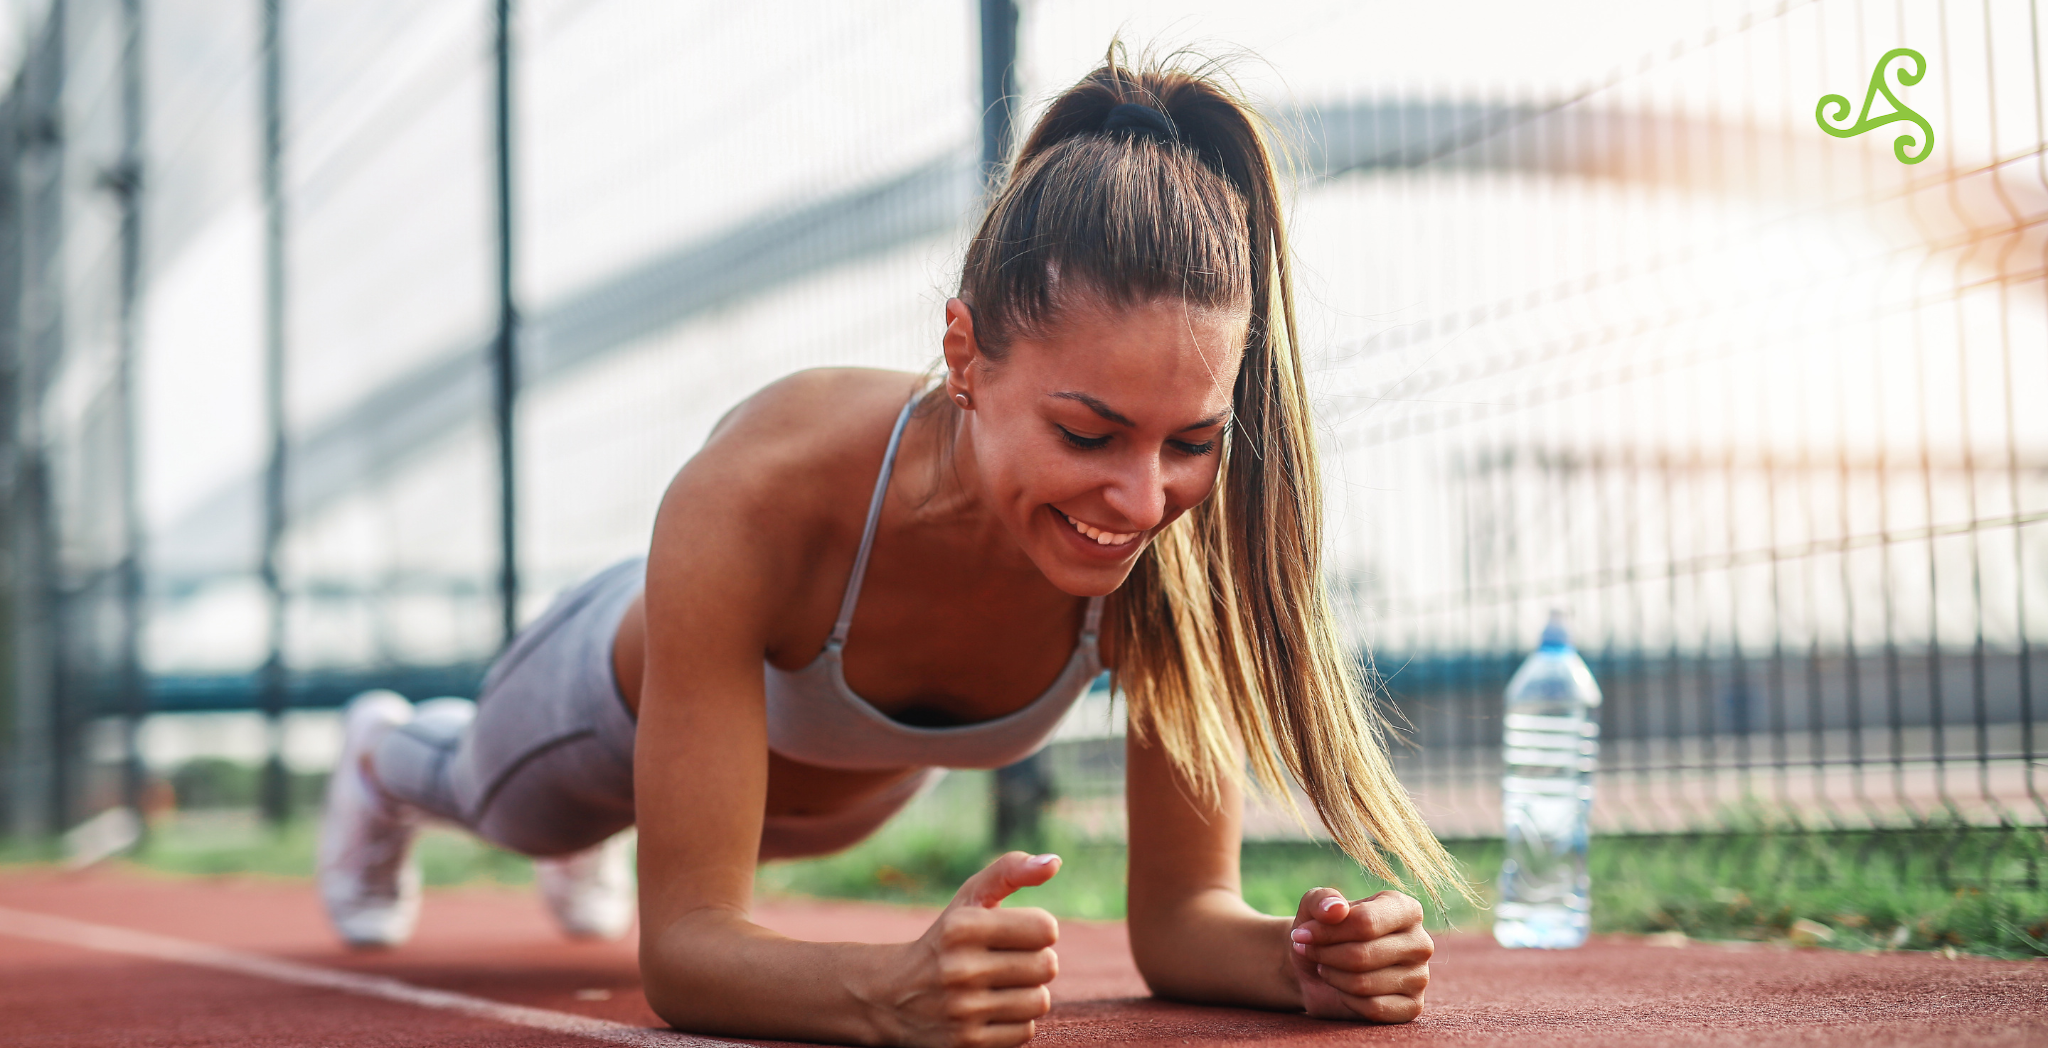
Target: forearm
x,y
1213,948
715,972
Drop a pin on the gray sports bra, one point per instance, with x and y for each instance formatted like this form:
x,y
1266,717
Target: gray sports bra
x,y
813,717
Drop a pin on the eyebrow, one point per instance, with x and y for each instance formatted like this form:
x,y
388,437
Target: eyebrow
x,y
1113,415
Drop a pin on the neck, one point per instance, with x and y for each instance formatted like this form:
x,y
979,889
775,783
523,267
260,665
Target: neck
x,y
945,476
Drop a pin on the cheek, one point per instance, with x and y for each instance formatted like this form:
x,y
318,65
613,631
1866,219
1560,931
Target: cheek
x,y
1017,467
1193,482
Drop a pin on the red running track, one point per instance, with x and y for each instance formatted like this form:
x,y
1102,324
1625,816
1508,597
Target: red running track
x,y
69,982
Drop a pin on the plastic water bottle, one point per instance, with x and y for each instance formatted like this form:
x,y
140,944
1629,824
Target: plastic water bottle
x,y
1551,739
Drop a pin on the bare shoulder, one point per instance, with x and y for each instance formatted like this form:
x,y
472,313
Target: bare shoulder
x,y
779,482
810,413
806,430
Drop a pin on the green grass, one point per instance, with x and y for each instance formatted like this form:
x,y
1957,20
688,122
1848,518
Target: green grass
x,y
229,841
1982,891
217,842
920,864
1973,891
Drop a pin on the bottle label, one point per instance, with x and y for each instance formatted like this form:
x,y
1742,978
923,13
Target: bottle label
x,y
1568,743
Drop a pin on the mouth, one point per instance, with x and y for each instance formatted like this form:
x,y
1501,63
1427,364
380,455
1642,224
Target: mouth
x,y
1100,538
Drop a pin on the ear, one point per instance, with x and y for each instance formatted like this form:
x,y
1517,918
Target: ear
x,y
962,351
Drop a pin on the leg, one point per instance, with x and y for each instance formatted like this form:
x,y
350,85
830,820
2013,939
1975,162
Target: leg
x,y
369,885
564,801
413,762
541,764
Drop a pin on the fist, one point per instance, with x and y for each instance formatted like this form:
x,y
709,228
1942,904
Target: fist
x,y
1361,960
981,972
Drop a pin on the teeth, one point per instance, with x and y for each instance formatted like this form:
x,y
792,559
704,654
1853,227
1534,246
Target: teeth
x,y
1101,537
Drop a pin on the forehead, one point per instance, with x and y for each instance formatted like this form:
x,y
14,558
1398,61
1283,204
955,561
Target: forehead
x,y
1162,351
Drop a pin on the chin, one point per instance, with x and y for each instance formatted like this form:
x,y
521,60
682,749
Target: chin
x,y
1087,583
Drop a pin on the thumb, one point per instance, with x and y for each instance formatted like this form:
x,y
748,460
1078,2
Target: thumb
x,y
1326,905
1010,871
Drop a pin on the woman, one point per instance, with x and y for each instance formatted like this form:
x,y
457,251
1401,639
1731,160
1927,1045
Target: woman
x,y
859,579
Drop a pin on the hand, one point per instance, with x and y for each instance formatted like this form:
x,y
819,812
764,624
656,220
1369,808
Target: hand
x,y
978,976
1361,960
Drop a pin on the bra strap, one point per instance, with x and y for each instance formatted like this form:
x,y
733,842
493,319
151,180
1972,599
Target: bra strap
x,y
867,535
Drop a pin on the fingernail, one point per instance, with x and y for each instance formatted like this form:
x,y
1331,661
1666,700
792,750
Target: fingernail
x,y
1041,860
1330,904
1301,947
1301,935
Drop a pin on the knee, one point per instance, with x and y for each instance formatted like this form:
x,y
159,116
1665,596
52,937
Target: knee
x,y
410,762
442,720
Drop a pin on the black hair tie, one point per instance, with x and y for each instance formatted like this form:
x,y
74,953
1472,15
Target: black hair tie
x,y
1140,121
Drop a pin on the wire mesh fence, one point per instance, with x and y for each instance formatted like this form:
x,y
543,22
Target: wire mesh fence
x,y
1747,402
1600,319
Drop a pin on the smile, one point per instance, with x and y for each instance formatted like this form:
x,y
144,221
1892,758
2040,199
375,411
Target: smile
x,y
1099,536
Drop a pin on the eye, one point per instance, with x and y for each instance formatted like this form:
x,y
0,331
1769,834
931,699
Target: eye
x,y
1079,441
1186,448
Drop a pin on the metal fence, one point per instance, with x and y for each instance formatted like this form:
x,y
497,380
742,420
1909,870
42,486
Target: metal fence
x,y
1748,402
1600,319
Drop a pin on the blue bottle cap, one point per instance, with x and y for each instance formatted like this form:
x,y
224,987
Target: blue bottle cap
x,y
1554,635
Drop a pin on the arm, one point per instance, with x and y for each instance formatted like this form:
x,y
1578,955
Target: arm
x,y
1192,933
720,552
1195,938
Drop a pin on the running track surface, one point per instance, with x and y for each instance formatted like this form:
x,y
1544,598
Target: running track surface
x,y
249,962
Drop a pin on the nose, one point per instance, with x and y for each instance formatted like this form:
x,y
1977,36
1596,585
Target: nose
x,y
1137,490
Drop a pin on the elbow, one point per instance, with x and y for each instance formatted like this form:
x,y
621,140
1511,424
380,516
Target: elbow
x,y
674,969
1162,961
661,984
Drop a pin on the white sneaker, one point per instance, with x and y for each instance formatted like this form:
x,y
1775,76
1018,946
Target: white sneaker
x,y
591,892
367,877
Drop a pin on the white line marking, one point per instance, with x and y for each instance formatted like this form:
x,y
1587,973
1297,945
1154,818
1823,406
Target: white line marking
x,y
107,939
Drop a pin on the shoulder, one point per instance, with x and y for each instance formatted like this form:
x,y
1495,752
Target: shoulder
x,y
809,430
781,484
815,411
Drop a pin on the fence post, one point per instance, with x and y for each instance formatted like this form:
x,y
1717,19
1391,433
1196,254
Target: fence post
x,y
125,181
998,85
274,682
40,795
504,351
1023,789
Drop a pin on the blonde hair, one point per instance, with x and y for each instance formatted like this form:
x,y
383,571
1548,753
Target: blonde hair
x,y
1225,621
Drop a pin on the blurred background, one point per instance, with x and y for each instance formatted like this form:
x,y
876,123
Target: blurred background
x,y
336,337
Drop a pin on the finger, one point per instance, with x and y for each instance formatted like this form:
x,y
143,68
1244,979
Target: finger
x,y
998,1035
999,969
1386,913
1319,933
1324,905
1402,981
999,1006
1413,946
1390,1008
1009,872
1024,928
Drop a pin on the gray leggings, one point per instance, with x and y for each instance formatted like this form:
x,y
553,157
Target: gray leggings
x,y
542,762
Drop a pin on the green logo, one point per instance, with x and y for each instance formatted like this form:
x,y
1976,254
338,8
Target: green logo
x,y
1833,124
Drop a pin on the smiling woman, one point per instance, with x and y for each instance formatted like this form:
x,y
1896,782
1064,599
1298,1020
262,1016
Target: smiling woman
x,y
1099,468
864,576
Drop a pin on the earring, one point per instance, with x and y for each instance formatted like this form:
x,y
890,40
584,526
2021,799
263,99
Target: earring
x,y
963,400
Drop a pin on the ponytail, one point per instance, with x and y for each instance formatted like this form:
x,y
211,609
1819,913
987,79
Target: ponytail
x,y
1224,623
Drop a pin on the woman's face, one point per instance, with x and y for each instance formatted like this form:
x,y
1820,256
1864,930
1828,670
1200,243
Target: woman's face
x,y
1088,440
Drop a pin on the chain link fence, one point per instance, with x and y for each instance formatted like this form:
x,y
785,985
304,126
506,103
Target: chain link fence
x,y
1600,319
